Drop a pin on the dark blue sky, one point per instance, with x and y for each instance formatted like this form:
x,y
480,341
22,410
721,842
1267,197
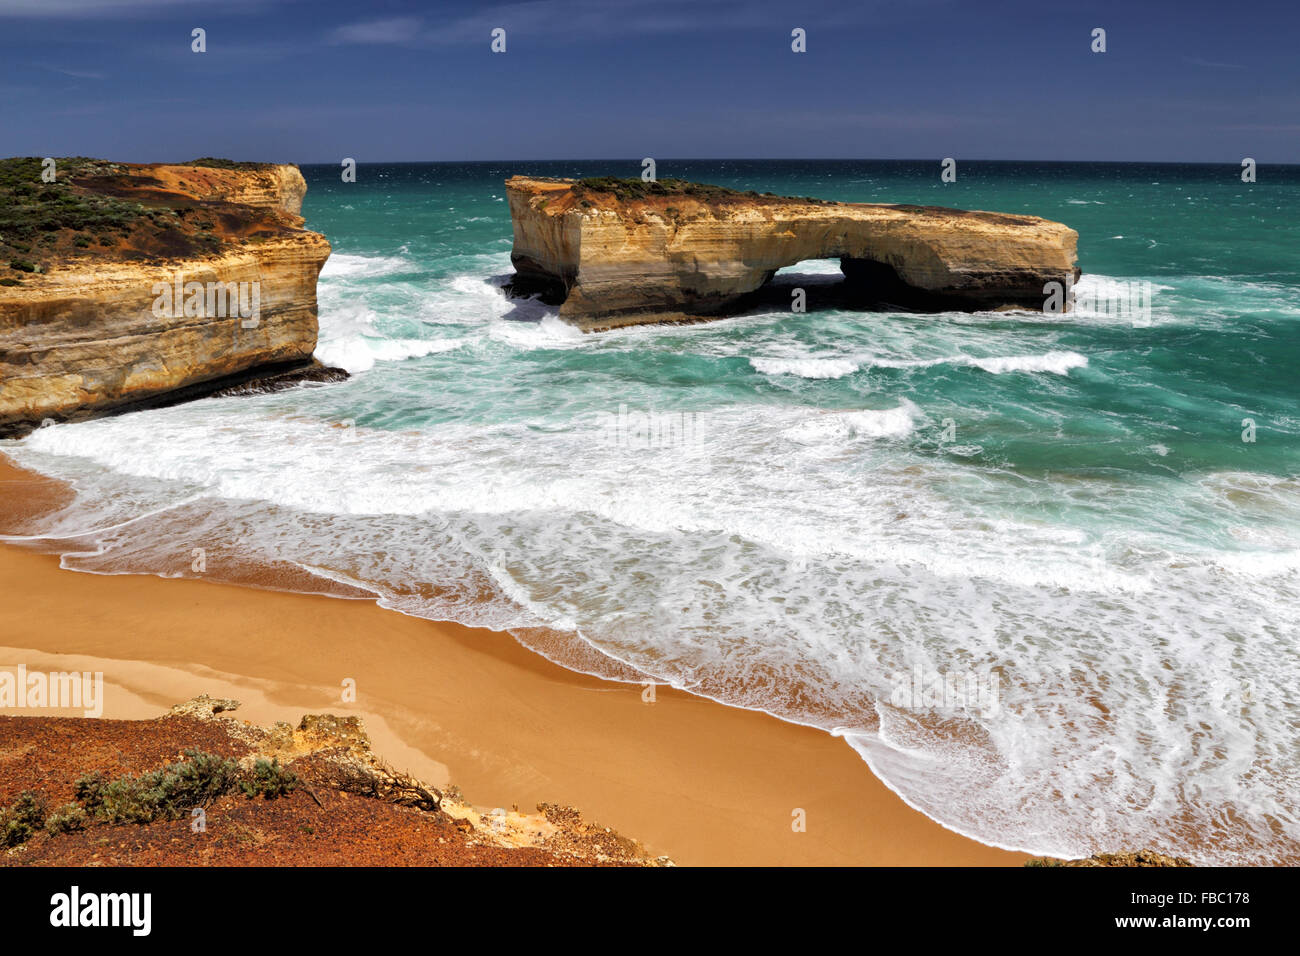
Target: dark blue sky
x,y
316,80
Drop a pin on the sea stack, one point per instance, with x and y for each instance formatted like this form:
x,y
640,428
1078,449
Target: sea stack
x,y
124,286
624,252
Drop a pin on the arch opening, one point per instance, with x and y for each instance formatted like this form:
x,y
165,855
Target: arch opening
x,y
858,285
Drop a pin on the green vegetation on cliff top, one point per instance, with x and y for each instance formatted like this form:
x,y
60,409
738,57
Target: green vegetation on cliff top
x,y
98,209
634,188
29,206
214,162
38,218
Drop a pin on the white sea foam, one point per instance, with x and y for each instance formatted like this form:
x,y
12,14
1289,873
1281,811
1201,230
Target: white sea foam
x,y
344,266
358,354
805,368
1058,363
1055,362
887,423
823,427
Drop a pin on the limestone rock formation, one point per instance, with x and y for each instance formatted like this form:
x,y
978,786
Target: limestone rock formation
x,y
123,286
620,252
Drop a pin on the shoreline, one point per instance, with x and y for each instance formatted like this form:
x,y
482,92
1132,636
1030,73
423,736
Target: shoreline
x,y
700,782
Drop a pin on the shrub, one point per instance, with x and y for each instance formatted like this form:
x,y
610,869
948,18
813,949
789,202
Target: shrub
x,y
66,819
87,788
214,162
21,265
166,794
270,780
20,821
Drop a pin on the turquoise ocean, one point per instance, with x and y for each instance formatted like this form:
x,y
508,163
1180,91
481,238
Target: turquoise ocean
x,y
1097,516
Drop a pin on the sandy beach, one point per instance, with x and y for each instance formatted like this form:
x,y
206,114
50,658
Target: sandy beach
x,y
702,783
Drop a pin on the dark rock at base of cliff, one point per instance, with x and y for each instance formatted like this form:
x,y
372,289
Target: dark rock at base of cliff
x,y
530,280
255,381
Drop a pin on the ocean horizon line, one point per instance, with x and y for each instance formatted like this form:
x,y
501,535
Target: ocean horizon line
x,y
790,159
732,159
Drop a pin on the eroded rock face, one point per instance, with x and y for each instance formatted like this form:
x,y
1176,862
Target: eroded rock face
x,y
615,254
84,335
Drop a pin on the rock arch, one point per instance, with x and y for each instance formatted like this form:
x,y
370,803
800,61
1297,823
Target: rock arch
x,y
619,252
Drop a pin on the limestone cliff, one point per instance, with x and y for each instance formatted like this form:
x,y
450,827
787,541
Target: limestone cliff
x,y
123,286
618,252
263,185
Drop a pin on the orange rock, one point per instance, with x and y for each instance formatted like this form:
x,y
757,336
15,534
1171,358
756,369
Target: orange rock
x,y
620,253
87,335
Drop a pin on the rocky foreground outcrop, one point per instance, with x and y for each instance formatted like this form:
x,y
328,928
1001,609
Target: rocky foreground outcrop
x,y
621,252
197,787
124,286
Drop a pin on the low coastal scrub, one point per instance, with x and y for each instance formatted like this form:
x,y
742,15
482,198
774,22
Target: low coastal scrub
x,y
173,791
269,780
66,819
165,794
635,188
29,206
214,162
21,821
99,209
27,816
169,793
36,215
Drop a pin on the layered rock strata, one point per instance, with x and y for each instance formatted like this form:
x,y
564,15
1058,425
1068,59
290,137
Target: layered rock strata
x,y
619,252
127,286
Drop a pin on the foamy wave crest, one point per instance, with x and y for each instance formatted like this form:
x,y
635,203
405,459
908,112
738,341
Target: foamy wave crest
x,y
1055,362
343,266
358,354
805,368
1058,363
1259,563
867,423
549,332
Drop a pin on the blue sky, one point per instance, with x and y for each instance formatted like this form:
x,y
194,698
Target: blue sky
x,y
317,80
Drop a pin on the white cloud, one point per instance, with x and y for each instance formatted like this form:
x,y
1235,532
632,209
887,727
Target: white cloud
x,y
90,9
399,30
